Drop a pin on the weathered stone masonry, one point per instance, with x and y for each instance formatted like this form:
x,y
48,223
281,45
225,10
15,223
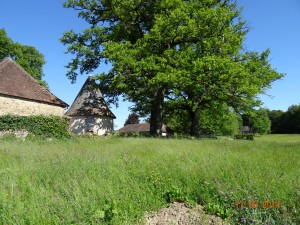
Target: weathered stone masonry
x,y
22,107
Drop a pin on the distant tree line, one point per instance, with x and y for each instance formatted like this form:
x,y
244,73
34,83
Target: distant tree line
x,y
223,120
285,122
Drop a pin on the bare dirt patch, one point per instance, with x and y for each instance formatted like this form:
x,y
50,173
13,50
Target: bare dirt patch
x,y
182,214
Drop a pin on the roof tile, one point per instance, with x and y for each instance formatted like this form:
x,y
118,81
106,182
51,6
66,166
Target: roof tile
x,y
89,102
15,81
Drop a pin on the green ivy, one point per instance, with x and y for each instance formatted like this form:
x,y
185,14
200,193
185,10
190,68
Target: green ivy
x,y
41,126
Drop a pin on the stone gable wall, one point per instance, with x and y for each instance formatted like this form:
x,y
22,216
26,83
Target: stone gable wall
x,y
15,106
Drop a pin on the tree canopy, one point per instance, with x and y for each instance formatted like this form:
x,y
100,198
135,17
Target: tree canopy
x,y
187,53
133,118
285,122
258,120
277,123
28,57
218,119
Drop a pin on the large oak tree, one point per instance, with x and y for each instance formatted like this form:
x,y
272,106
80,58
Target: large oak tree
x,y
188,53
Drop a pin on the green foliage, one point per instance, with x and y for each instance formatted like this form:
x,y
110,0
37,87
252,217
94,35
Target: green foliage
x,y
28,57
258,121
131,134
218,210
186,52
291,120
107,212
40,126
175,194
277,122
178,120
244,137
133,118
285,122
217,120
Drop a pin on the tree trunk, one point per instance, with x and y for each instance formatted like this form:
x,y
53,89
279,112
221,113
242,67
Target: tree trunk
x,y
195,128
156,113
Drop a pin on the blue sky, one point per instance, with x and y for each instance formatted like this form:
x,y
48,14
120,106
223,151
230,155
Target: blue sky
x,y
274,24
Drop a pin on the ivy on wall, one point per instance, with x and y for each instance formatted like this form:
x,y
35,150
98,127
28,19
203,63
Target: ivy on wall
x,y
41,126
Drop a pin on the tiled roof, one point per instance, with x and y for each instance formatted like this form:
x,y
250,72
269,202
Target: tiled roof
x,y
16,82
89,102
141,127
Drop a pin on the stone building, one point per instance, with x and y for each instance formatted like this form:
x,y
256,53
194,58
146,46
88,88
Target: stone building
x,y
21,94
89,112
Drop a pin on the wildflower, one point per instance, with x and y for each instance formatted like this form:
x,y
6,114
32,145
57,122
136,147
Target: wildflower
x,y
243,220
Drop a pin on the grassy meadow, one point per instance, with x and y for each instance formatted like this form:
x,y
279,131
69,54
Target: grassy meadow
x,y
116,180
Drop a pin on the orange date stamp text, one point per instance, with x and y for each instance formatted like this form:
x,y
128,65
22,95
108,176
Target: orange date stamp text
x,y
254,204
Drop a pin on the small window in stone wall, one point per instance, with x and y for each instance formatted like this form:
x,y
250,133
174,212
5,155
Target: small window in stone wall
x,y
90,120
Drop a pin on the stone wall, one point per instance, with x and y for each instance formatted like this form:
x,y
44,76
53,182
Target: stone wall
x,y
99,125
15,106
18,133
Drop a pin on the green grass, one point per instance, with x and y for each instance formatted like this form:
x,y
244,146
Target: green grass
x,y
281,138
116,180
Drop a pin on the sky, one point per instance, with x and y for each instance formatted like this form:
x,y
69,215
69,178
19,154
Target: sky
x,y
274,24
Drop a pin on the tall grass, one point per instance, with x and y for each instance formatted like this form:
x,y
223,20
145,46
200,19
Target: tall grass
x,y
116,180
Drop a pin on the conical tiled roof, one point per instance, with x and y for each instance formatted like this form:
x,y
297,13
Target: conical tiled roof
x,y
16,82
89,102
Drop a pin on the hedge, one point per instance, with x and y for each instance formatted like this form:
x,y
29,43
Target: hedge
x,y
244,136
41,126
